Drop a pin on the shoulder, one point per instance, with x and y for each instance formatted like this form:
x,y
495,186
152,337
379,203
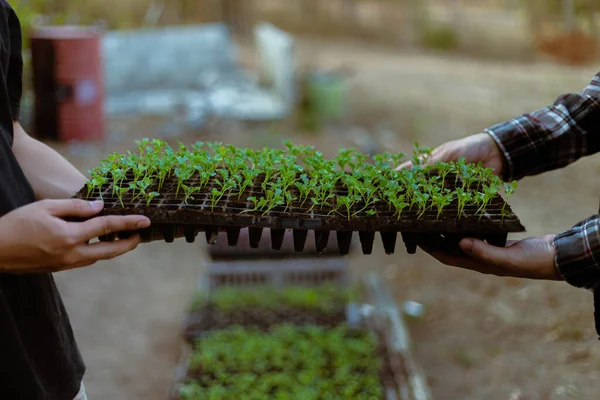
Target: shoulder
x,y
10,26
5,9
9,17
11,57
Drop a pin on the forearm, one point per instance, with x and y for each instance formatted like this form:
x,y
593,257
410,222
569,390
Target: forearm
x,y
50,174
552,137
577,259
578,254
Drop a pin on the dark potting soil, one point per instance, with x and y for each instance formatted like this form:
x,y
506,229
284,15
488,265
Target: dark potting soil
x,y
209,318
387,375
173,218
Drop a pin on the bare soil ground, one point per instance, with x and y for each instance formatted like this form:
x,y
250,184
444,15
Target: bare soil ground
x,y
482,337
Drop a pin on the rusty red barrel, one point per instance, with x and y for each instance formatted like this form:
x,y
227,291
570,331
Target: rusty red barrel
x,y
68,83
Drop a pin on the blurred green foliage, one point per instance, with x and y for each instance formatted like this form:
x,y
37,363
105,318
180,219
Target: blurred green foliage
x,y
289,362
556,8
28,11
439,36
324,298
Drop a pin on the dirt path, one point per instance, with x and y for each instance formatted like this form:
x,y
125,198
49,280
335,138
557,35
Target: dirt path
x,y
127,314
482,337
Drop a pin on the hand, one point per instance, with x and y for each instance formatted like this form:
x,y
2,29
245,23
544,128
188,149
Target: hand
x,y
34,238
531,258
474,148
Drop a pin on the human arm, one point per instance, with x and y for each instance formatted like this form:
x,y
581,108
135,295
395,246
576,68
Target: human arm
x,y
531,258
51,175
552,137
572,256
35,238
547,139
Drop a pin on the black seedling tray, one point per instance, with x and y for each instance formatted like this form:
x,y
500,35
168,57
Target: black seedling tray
x,y
172,217
374,310
279,274
221,250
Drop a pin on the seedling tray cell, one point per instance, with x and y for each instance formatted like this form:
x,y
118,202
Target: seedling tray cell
x,y
301,192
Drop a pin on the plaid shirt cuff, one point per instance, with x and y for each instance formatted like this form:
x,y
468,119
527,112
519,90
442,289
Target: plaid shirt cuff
x,y
552,137
515,146
578,254
495,133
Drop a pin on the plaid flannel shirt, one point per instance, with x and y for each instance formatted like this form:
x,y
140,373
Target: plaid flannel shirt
x,y
551,138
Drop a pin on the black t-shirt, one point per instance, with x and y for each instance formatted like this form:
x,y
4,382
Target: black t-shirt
x,y
39,359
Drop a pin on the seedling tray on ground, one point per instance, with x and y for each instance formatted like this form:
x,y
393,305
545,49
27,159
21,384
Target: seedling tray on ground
x,y
373,309
172,217
203,317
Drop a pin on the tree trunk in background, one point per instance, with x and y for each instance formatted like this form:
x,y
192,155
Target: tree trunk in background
x,y
594,8
350,9
457,14
414,18
227,10
311,8
237,15
154,13
592,14
172,14
535,15
569,14
458,20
